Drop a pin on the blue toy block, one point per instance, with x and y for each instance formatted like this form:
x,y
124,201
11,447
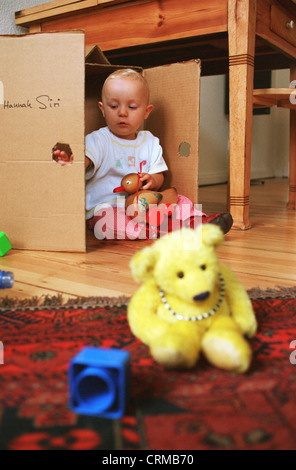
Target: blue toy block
x,y
6,279
100,382
5,245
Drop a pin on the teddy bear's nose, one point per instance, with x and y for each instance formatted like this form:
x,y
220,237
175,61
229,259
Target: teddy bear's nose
x,y
202,296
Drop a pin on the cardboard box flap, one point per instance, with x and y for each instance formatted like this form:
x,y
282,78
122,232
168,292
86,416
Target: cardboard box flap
x,y
104,69
94,55
96,63
174,92
101,69
42,104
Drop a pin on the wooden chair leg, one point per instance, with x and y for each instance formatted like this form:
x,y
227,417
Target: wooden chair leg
x,y
241,24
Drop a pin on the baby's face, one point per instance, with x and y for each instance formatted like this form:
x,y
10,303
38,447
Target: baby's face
x,y
124,106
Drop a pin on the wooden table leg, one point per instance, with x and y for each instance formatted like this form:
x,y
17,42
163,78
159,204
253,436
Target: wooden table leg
x,y
292,151
241,38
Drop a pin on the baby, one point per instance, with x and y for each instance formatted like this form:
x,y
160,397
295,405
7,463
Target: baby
x,y
121,148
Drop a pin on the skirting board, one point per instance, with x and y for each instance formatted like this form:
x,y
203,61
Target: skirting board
x,y
210,178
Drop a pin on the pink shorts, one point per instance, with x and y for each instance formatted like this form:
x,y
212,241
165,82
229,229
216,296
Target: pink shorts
x,y
112,223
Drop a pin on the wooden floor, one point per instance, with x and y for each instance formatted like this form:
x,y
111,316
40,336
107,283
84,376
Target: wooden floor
x,y
264,256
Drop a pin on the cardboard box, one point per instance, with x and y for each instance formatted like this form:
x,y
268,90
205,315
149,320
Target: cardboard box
x,y
49,92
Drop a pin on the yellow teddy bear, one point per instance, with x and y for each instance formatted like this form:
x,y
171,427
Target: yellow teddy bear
x,y
190,302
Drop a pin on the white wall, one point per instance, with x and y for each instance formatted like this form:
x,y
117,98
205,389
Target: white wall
x,y
214,130
270,139
7,9
280,126
270,147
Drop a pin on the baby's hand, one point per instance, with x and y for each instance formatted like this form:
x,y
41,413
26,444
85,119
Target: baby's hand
x,y
60,156
148,179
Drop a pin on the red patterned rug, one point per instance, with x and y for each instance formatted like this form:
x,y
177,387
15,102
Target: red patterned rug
x,y
204,408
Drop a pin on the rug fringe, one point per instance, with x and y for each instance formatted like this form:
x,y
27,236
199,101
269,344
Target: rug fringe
x,y
48,301
280,292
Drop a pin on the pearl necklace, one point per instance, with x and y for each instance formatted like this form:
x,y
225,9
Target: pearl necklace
x,y
201,316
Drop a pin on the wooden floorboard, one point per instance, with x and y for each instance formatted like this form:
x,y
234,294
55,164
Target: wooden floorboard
x,y
264,256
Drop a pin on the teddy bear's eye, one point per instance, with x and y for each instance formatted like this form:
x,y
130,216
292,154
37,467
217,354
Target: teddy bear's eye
x,y
180,274
203,267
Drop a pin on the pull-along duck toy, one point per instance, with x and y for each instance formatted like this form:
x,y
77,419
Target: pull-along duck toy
x,y
142,204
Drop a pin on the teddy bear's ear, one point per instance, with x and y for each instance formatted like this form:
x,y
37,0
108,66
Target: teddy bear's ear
x,y
142,263
212,235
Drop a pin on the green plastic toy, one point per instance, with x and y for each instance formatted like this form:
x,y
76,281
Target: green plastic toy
x,y
5,245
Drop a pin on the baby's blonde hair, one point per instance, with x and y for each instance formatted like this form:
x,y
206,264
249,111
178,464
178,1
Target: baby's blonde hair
x,y
128,74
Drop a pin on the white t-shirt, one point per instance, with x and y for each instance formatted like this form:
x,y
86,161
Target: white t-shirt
x,y
112,159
